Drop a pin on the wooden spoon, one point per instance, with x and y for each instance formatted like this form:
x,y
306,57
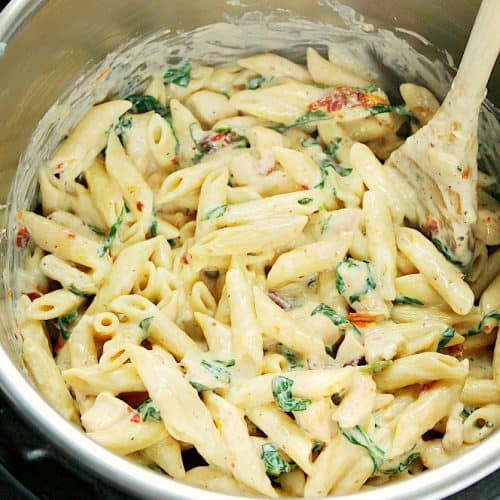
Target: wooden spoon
x,y
435,170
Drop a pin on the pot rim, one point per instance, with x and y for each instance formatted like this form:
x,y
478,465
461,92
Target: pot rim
x,y
460,472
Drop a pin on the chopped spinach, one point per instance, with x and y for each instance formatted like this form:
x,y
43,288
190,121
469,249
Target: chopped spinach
x,y
304,201
95,230
318,446
148,410
405,300
389,108
146,103
145,324
468,411
218,368
370,283
255,82
199,387
307,117
214,213
79,293
375,367
290,356
282,394
121,127
447,253
405,464
333,147
359,437
153,230
326,163
325,223
492,314
446,335
63,323
113,230
334,317
274,462
178,75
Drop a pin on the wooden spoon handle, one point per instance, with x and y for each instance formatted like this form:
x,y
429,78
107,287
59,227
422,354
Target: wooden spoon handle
x,y
480,55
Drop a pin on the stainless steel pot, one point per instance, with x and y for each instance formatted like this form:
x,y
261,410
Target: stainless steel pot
x,y
45,45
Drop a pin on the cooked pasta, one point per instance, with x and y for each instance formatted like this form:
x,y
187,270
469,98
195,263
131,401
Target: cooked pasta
x,y
221,267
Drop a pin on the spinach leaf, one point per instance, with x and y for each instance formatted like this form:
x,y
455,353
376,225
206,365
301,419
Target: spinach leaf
x,y
446,335
121,127
290,356
333,147
334,317
79,293
370,283
214,213
318,446
282,394
146,103
274,462
145,324
375,367
359,437
149,410
405,300
307,117
95,230
179,75
468,411
412,455
304,201
153,230
218,368
255,82
310,141
113,230
64,321
492,314
327,163
447,254
199,387
389,108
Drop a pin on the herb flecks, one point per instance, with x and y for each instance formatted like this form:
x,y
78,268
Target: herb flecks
x,y
113,230
359,437
214,213
282,394
446,335
178,75
408,301
334,317
274,462
405,464
219,368
148,410
389,108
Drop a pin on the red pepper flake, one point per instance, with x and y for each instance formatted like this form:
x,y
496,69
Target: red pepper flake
x,y
305,186
364,317
465,173
428,385
139,205
71,235
22,236
59,166
347,97
175,160
186,259
216,137
432,225
280,301
136,418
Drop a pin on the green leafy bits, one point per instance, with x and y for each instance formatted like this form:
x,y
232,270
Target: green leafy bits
x,y
334,317
304,201
219,368
492,314
178,75
282,393
389,108
148,410
405,464
327,163
146,103
308,117
63,323
214,213
95,230
407,301
274,462
468,411
447,254
359,437
310,141
121,127
370,283
113,230
375,367
255,82
333,147
79,293
318,446
290,356
199,150
446,335
153,229
199,387
146,323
